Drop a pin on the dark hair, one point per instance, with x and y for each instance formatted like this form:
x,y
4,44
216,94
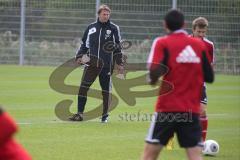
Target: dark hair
x,y
174,19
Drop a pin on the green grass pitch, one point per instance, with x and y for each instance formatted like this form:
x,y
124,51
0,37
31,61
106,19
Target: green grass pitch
x,y
26,95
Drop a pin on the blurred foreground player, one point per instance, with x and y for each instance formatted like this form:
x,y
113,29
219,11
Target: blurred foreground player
x,y
188,67
9,148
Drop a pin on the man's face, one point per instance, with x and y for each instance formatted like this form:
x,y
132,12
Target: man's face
x,y
199,32
104,16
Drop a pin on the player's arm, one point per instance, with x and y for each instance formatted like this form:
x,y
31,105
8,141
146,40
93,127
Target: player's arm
x,y
207,68
117,51
7,127
84,47
118,56
210,53
157,62
213,55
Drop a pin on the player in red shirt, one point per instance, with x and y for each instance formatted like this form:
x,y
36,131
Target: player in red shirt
x,y
9,148
187,68
199,29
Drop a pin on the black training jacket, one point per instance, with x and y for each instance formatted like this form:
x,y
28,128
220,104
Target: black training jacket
x,y
102,42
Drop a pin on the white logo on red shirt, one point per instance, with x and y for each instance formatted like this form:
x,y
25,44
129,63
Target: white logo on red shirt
x,y
187,55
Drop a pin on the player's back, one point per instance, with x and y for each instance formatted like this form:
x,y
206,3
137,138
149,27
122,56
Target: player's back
x,y
185,73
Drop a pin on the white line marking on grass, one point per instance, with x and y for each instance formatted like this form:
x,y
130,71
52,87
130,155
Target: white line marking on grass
x,y
210,115
217,114
43,122
223,115
24,123
55,122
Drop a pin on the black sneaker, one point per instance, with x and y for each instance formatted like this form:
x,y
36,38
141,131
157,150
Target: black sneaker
x,y
104,118
76,117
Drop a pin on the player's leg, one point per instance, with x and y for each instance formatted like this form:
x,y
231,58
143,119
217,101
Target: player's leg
x,y
204,122
203,115
106,85
88,77
189,136
151,151
194,153
160,131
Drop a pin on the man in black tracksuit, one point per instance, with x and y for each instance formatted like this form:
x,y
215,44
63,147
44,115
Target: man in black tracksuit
x,y
99,51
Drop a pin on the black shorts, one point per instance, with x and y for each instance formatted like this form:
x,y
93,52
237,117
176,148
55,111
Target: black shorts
x,y
204,95
185,125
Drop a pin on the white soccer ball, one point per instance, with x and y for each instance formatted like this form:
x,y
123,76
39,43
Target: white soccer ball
x,y
210,147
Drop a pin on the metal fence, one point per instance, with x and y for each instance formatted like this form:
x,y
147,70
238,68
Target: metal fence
x,y
53,28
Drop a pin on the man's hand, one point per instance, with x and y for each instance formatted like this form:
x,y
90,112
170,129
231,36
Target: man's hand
x,y
83,60
120,69
79,60
120,72
152,81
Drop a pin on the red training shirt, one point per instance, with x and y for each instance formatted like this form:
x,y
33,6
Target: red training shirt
x,y
185,71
